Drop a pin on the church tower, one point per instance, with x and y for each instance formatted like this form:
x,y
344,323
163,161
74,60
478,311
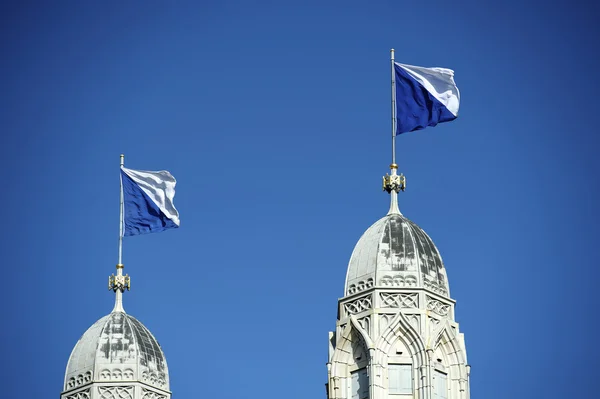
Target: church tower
x,y
117,357
396,336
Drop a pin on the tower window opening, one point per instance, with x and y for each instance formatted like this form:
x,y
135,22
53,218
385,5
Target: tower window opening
x,y
400,379
440,388
359,385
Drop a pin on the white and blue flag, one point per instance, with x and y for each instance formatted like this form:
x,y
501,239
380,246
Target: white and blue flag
x,y
148,201
424,97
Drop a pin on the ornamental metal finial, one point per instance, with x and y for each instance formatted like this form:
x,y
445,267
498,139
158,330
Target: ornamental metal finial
x,y
394,182
118,284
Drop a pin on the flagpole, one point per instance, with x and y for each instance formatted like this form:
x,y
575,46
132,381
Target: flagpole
x,y
393,183
119,283
121,217
393,108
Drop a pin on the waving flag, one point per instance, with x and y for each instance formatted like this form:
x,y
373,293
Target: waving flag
x,y
424,97
148,201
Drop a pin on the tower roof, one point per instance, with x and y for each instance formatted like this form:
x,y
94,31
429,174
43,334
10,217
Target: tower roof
x,y
395,252
117,348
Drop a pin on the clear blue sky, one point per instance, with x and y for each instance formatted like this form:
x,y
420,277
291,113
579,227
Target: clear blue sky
x,y
275,119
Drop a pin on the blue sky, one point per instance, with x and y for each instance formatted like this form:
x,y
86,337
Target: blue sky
x,y
275,119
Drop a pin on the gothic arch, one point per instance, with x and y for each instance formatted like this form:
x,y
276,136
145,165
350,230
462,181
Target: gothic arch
x,y
446,338
399,330
343,361
447,341
343,347
409,337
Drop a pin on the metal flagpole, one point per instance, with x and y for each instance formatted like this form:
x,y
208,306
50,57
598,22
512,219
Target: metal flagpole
x,y
121,216
120,283
393,108
394,183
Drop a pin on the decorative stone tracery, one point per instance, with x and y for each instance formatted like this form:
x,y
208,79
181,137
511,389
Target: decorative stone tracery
x,y
124,392
358,305
360,286
435,287
116,374
85,394
385,319
157,380
365,324
128,374
81,379
438,307
398,281
414,321
104,374
395,300
148,394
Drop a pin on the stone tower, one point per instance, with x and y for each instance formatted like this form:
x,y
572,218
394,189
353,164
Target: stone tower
x,y
396,336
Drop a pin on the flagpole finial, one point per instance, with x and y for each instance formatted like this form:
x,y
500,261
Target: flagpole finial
x,y
118,284
393,184
122,160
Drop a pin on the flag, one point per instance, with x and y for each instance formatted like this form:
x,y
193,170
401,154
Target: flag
x,y
148,201
424,97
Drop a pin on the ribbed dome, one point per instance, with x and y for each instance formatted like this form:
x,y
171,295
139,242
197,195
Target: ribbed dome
x,y
395,252
117,348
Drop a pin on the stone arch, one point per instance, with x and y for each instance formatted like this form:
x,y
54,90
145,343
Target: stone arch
x,y
343,347
399,330
447,338
343,360
409,337
447,342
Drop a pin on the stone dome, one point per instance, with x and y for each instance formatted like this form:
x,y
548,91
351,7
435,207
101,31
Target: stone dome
x,y
117,348
395,252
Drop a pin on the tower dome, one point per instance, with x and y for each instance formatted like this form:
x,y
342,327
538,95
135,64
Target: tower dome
x,y
117,348
117,357
395,252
